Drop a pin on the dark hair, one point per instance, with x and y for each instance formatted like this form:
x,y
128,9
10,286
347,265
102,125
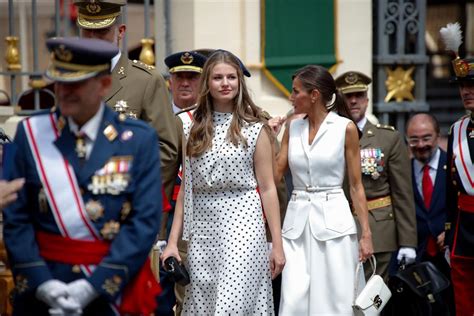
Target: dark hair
x,y
429,116
245,110
317,77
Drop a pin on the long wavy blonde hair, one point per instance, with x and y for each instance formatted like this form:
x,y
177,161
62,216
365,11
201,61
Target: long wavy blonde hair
x,y
244,110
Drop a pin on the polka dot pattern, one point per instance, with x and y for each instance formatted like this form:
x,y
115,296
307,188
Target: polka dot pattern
x,y
227,254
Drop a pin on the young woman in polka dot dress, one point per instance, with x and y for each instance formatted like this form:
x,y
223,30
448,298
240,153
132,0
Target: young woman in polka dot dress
x,y
228,154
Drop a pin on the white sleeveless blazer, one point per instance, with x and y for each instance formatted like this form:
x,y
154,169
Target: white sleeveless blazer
x,y
320,167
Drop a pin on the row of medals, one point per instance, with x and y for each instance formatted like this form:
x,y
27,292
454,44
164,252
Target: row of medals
x,y
112,179
372,163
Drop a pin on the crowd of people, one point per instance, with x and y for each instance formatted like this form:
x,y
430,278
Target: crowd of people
x,y
199,175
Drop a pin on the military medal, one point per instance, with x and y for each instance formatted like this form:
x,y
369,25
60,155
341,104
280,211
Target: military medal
x,y
113,178
110,230
80,147
372,163
42,201
126,209
471,134
94,209
126,135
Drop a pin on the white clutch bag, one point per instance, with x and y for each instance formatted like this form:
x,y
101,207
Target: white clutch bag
x,y
373,297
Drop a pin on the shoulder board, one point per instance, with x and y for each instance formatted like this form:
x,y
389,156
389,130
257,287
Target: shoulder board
x,y
192,107
142,65
387,127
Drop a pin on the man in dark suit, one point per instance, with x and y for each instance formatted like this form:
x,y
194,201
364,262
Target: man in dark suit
x,y
137,88
79,234
429,189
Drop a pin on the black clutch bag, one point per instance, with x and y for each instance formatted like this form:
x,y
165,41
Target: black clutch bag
x,y
423,279
177,271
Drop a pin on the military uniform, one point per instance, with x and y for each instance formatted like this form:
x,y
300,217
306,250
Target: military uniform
x,y
138,87
386,177
91,216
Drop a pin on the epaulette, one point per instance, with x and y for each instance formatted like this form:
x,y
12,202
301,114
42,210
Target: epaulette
x,y
189,108
142,65
387,127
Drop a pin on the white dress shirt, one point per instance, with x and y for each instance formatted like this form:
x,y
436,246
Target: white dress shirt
x,y
115,60
361,123
90,129
418,170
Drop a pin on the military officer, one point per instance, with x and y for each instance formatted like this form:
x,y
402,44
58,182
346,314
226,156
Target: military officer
x,y
460,188
79,234
137,89
386,178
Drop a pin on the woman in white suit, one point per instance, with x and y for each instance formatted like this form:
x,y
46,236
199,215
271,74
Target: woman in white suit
x,y
319,232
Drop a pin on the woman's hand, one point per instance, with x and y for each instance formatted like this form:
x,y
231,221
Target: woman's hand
x,y
277,261
366,249
170,251
276,123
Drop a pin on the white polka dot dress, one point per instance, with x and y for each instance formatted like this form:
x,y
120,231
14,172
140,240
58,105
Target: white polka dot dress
x,y
227,254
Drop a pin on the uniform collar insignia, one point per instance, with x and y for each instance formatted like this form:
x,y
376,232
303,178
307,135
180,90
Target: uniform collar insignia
x,y
110,132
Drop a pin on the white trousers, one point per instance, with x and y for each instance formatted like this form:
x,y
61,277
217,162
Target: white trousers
x,y
318,278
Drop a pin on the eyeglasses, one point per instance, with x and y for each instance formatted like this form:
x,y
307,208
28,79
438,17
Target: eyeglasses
x,y
413,141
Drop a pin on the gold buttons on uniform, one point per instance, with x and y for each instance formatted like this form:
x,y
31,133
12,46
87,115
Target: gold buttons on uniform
x,y
76,269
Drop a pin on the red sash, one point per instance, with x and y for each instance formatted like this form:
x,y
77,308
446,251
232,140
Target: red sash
x,y
139,295
466,203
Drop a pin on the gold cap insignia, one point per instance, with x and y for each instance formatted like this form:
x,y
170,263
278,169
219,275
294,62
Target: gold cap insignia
x,y
351,78
93,7
110,132
187,58
94,209
62,54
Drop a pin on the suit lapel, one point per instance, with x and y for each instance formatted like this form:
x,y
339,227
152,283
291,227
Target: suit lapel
x,y
418,198
118,73
367,135
103,147
304,132
440,178
328,120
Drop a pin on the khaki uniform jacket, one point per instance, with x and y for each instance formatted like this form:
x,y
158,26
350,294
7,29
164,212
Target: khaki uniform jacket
x,y
392,226
146,94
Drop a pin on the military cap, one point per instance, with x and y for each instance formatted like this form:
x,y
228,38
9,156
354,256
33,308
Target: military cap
x,y
452,37
185,61
98,14
352,81
244,69
75,59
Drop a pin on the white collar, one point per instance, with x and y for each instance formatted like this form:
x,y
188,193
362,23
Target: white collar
x,y
115,60
433,163
361,123
91,128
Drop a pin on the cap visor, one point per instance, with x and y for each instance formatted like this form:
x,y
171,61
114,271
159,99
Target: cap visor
x,y
59,75
185,69
353,89
94,24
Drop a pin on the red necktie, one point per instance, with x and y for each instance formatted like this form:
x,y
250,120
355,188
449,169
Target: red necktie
x,y
427,186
